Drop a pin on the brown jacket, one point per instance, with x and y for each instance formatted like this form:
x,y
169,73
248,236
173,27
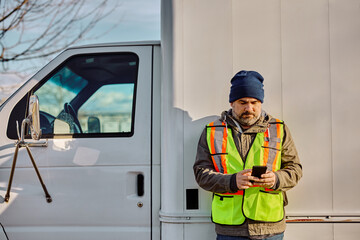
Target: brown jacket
x,y
210,180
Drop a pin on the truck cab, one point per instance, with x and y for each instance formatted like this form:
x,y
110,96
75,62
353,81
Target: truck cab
x,y
99,166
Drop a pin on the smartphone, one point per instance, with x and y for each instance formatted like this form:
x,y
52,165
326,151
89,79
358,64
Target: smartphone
x,y
257,171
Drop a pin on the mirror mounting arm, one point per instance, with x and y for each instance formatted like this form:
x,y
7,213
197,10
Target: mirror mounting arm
x,y
21,137
19,145
33,121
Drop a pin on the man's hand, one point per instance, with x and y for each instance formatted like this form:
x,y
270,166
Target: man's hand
x,y
243,179
267,180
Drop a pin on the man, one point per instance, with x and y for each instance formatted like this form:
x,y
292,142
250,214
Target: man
x,y
244,206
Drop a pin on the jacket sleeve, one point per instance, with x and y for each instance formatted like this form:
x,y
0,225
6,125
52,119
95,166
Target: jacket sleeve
x,y
205,174
291,169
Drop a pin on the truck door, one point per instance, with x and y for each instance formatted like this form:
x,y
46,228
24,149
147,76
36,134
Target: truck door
x,y
95,112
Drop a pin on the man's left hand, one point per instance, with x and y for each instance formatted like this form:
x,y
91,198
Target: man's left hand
x,y
267,180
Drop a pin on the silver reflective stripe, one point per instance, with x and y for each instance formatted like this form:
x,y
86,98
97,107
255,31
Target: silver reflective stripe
x,y
273,136
217,159
273,139
218,139
271,158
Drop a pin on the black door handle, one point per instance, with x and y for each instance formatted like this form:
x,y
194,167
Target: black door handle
x,y
140,185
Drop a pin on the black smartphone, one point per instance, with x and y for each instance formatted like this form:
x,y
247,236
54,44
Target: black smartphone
x,y
257,171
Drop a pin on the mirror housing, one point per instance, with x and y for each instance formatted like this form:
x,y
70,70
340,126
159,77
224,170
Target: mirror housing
x,y
32,120
34,117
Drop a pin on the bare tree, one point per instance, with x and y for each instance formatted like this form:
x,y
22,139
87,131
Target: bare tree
x,y
53,24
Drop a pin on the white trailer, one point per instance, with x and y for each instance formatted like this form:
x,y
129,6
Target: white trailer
x,y
122,123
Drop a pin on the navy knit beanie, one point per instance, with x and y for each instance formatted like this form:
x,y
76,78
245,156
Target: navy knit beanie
x,y
247,84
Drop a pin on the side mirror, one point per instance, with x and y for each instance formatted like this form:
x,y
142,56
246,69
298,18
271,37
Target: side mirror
x,y
34,117
33,121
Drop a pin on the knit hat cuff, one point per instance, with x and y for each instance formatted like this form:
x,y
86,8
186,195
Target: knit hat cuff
x,y
239,91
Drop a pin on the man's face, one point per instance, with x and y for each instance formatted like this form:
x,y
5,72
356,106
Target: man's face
x,y
246,110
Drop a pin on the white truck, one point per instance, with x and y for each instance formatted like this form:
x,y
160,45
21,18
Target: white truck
x,y
120,123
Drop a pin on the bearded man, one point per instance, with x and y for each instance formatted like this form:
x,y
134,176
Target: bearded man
x,y
245,206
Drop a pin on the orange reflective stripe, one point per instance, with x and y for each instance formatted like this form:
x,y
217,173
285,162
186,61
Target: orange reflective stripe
x,y
266,189
266,148
276,157
266,133
278,129
240,192
212,136
278,132
224,144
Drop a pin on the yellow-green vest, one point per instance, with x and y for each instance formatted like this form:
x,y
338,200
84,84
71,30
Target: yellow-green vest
x,y
256,203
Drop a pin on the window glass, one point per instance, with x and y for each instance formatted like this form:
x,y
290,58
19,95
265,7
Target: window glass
x,y
58,90
108,110
90,95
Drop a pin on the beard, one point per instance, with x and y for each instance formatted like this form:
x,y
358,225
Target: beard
x,y
247,119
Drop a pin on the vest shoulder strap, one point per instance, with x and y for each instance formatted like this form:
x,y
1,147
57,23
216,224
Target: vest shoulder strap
x,y
216,123
217,141
276,121
272,143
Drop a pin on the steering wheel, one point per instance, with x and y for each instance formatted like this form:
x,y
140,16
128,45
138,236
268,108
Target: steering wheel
x,y
70,110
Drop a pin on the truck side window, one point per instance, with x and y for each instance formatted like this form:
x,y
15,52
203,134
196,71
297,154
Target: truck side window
x,y
89,96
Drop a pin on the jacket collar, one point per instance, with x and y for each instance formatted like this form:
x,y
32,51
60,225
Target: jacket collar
x,y
260,126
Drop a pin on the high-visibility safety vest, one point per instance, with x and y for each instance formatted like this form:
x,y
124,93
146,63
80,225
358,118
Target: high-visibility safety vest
x,y
256,203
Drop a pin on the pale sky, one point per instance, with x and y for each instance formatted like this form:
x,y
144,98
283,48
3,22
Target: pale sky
x,y
131,20
135,20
